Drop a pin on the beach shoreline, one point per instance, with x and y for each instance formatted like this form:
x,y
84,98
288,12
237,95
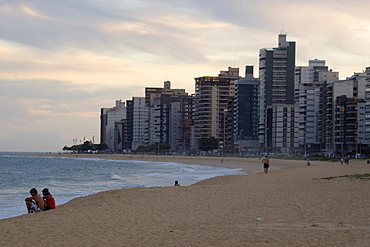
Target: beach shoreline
x,y
251,165
291,206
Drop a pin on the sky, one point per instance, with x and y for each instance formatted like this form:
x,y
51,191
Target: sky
x,y
62,61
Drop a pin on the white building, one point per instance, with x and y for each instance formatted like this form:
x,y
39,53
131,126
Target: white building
x,y
109,117
311,84
284,126
347,112
140,122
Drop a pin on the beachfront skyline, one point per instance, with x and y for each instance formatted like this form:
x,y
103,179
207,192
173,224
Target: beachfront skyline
x,y
62,61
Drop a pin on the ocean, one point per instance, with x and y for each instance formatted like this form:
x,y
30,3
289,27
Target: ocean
x,y
68,178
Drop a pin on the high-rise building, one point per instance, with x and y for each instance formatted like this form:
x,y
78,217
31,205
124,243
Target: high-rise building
x,y
367,108
311,84
165,117
171,122
103,124
108,119
349,125
136,123
276,67
186,122
139,122
284,127
153,99
246,113
119,136
346,132
211,102
150,94
129,128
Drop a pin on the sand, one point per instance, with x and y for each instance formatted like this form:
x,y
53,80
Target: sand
x,y
290,206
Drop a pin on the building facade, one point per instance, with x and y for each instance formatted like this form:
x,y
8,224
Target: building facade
x,y
108,119
284,128
310,82
153,97
277,81
212,97
246,111
347,131
139,122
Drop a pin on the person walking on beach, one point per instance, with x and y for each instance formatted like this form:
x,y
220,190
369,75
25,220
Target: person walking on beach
x,y
35,203
48,199
177,183
266,164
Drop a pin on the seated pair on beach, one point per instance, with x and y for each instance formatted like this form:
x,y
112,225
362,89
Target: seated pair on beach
x,y
36,203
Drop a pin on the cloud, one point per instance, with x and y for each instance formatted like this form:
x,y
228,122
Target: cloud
x,y
48,112
31,12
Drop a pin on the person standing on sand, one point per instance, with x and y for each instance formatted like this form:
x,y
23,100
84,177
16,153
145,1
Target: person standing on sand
x,y
177,183
266,164
35,203
48,199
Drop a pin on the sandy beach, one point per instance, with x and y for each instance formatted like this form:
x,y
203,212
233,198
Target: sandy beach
x,y
291,206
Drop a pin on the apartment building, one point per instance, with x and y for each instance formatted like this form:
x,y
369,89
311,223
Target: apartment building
x,y
346,132
212,98
246,111
310,83
108,119
277,75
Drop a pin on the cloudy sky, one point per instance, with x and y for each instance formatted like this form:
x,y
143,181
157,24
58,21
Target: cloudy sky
x,y
63,60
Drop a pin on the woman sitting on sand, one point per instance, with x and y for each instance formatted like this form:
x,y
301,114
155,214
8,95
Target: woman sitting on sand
x,y
48,199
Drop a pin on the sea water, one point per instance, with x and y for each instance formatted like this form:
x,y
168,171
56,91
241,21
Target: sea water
x,y
68,178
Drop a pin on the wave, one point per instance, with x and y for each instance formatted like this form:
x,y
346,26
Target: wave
x,y
116,177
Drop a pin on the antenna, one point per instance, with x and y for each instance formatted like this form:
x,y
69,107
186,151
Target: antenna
x,y
282,30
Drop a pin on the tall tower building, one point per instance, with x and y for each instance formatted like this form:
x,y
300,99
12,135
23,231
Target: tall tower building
x,y
346,132
140,122
276,67
136,123
211,107
311,90
246,113
367,108
154,102
108,119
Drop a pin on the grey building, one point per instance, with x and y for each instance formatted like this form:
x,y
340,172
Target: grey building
x,y
311,86
246,111
347,130
277,74
108,119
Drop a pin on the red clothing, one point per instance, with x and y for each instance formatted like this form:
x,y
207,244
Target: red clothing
x,y
50,202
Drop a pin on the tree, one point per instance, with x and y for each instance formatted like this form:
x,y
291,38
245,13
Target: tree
x,y
208,143
154,148
86,147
